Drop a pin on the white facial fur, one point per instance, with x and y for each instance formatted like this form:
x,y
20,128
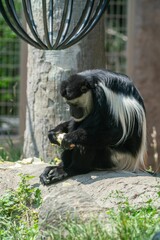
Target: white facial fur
x,y
86,102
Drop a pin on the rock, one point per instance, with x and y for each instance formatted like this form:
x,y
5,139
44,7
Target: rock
x,y
10,174
83,195
30,160
93,193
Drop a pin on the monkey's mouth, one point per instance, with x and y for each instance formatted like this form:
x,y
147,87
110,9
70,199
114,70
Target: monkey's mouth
x,y
76,112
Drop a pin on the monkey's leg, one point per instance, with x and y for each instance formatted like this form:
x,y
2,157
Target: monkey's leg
x,y
53,174
82,161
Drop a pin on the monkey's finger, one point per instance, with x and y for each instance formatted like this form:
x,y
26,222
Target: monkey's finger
x,y
44,180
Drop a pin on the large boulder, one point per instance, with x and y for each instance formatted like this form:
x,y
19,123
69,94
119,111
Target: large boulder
x,y
83,195
10,174
93,193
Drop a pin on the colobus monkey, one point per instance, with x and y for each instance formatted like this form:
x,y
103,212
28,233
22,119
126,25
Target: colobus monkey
x,y
107,129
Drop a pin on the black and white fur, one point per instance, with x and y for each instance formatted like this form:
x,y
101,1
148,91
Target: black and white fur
x,y
107,126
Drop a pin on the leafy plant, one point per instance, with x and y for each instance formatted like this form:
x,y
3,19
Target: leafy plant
x,y
10,152
18,212
130,222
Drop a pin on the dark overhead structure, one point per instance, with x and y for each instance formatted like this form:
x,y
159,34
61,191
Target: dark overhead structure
x,y
68,32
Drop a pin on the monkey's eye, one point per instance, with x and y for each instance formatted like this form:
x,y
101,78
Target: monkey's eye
x,y
84,89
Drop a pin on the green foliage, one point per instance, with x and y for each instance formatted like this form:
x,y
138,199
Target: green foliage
x,y
116,36
6,31
18,212
4,155
10,83
77,230
130,222
9,44
10,152
9,69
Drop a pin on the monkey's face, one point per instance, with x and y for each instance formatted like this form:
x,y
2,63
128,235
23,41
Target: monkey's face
x,y
78,95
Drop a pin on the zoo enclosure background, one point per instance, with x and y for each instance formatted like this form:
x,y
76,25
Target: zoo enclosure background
x,y
11,64
119,19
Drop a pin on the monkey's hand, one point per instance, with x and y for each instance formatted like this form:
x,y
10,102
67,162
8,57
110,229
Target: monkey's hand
x,y
57,138
74,138
67,142
55,135
53,174
52,135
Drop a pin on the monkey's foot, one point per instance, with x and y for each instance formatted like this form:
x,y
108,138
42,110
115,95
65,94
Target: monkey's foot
x,y
52,174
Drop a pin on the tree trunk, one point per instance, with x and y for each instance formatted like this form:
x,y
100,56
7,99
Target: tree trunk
x,y
143,61
46,70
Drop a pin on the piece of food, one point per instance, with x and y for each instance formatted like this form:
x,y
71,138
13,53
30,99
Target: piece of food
x,y
60,137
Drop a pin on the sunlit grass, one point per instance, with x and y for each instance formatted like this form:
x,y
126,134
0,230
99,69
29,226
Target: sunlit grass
x,y
19,212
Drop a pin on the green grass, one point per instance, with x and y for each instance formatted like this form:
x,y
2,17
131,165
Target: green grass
x,y
19,212
137,223
10,151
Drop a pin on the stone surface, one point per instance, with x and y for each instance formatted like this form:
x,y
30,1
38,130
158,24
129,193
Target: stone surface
x,y
94,193
10,174
83,195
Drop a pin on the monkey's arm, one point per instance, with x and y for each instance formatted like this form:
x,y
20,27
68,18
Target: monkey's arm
x,y
98,140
